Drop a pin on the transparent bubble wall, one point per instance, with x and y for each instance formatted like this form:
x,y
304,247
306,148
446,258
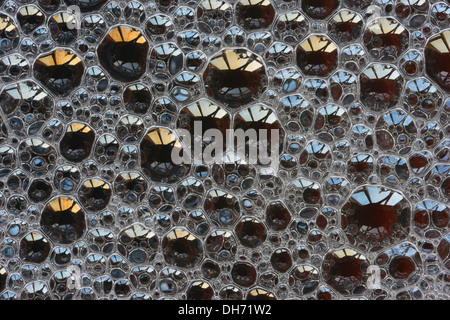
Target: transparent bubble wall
x,y
93,93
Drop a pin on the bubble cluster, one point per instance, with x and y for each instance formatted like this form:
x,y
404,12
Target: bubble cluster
x,y
93,104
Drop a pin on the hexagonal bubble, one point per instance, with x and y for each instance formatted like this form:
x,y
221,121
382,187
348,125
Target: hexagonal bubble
x,y
36,156
59,25
13,68
395,131
422,98
412,63
182,249
429,214
210,115
264,121
415,12
184,17
34,247
392,169
402,264
93,27
254,15
222,207
259,41
432,134
63,220
303,279
130,187
77,142
214,16
315,159
345,270
438,181
360,167
27,105
375,215
251,232
30,17
130,128
286,80
9,34
172,281
102,240
190,192
291,26
66,178
166,60
362,138
279,55
386,39
123,53
381,86
303,192
156,149
336,189
420,162
95,194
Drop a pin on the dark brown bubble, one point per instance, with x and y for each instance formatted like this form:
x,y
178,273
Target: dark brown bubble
x,y
277,216
317,56
34,248
182,249
281,260
39,190
381,86
77,142
319,9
